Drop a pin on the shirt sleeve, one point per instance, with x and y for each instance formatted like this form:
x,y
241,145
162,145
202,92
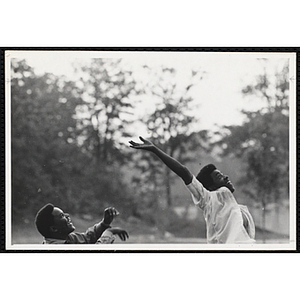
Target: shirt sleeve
x,y
89,237
249,220
200,195
95,232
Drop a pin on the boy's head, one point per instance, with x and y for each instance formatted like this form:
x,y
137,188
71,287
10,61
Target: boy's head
x,y
52,222
212,179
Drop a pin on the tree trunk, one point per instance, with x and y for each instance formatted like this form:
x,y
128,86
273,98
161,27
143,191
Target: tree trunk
x,y
168,189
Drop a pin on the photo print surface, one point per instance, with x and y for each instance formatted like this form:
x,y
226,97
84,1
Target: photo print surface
x,y
150,150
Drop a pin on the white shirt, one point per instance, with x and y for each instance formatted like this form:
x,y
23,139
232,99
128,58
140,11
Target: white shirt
x,y
223,215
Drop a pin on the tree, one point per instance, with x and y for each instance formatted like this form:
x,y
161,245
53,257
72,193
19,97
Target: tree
x,y
170,125
106,91
44,148
262,141
49,161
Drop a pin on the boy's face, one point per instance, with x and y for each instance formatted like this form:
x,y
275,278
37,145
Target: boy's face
x,y
221,180
62,222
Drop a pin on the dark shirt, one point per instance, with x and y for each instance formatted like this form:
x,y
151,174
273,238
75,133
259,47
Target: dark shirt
x,y
89,237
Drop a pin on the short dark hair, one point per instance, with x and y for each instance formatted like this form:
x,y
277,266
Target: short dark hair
x,y
44,219
204,175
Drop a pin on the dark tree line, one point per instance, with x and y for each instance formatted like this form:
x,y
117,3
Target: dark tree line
x,y
58,156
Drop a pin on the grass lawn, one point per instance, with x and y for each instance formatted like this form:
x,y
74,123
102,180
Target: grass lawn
x,y
139,233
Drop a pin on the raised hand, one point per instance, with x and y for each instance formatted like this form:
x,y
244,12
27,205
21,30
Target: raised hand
x,y
109,214
147,145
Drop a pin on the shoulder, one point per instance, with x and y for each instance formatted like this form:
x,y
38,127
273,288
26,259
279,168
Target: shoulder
x,y
194,184
76,238
200,195
224,193
194,181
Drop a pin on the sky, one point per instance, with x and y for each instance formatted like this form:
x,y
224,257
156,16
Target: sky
x,y
218,94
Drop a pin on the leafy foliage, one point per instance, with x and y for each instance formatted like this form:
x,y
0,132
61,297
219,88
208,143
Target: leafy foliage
x,y
262,142
102,116
43,136
49,161
170,125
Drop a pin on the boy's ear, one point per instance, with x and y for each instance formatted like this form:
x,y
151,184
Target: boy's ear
x,y
53,229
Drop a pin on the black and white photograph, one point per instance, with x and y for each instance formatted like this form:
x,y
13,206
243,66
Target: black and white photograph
x,y
150,150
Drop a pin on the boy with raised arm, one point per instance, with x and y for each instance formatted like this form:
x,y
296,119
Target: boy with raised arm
x,y
227,222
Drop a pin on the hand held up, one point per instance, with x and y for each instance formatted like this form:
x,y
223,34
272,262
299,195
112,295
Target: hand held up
x,y
109,214
146,145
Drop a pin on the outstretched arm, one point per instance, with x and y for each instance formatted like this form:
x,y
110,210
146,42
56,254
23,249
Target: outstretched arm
x,y
169,161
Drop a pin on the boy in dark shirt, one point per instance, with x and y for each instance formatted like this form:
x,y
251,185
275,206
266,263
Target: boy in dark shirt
x,y
57,228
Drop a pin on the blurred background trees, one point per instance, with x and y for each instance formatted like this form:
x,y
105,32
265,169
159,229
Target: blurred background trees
x,y
172,131
106,90
262,142
58,154
170,128
44,151
69,142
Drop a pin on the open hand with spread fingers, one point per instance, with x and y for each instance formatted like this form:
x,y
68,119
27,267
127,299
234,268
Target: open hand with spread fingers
x,y
123,235
147,145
